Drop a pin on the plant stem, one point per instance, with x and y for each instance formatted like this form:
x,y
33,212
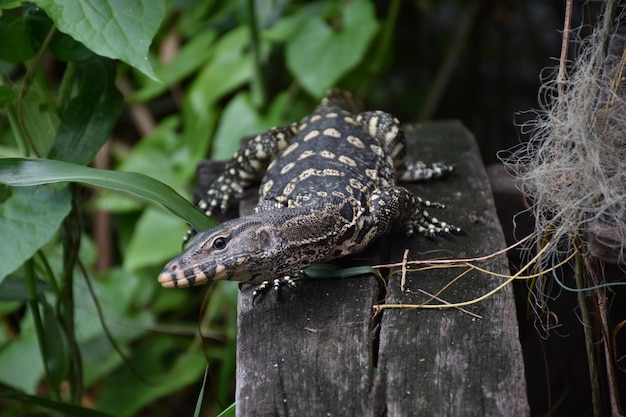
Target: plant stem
x,y
65,89
71,244
31,71
257,87
589,345
33,305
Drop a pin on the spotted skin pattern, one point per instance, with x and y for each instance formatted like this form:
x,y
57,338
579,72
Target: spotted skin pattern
x,y
329,188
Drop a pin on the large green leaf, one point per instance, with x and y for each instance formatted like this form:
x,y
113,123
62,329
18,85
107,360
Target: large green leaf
x,y
118,29
90,116
31,171
163,357
156,238
191,56
240,118
15,39
28,219
20,360
56,349
319,55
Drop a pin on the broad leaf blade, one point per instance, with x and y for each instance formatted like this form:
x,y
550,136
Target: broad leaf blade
x,y
28,220
90,116
318,55
118,29
31,171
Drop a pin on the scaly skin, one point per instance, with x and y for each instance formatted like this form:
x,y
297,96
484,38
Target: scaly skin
x,y
329,188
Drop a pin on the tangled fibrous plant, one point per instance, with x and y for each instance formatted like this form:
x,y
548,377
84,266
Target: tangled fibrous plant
x,y
573,167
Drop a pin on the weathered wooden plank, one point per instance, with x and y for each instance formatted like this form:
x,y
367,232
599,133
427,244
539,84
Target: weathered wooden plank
x,y
306,353
444,362
311,352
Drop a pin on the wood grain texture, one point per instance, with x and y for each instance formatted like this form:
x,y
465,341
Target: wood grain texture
x,y
306,353
316,352
445,362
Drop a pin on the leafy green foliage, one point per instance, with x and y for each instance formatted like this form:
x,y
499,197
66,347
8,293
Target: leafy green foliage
x,y
29,172
109,331
320,55
91,113
117,29
24,227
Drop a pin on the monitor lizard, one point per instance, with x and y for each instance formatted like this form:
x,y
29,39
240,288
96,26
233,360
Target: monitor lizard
x,y
329,188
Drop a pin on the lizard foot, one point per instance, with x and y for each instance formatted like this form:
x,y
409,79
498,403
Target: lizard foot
x,y
276,285
430,227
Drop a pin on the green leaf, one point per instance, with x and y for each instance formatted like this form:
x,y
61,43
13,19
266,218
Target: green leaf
x,y
319,55
6,94
40,116
122,394
20,360
230,68
28,219
31,171
15,39
117,29
228,411
56,354
240,118
90,116
191,57
286,27
13,288
61,407
157,237
10,4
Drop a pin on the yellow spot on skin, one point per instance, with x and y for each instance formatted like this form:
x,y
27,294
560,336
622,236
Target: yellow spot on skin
x,y
334,133
372,126
255,164
200,277
371,173
331,173
266,187
327,154
315,118
377,150
312,134
305,154
353,140
346,160
287,167
356,184
331,115
290,148
289,189
349,119
306,174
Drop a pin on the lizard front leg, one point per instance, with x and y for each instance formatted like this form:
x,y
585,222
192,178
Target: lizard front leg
x,y
397,203
247,166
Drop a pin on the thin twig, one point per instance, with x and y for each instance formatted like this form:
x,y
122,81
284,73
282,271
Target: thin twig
x,y
446,302
403,280
560,78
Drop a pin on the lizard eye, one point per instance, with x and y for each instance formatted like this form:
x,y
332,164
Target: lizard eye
x,y
219,243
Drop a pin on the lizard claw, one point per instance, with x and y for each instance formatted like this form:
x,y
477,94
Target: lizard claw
x,y
276,285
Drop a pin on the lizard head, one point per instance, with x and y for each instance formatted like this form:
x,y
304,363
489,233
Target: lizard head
x,y
234,250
